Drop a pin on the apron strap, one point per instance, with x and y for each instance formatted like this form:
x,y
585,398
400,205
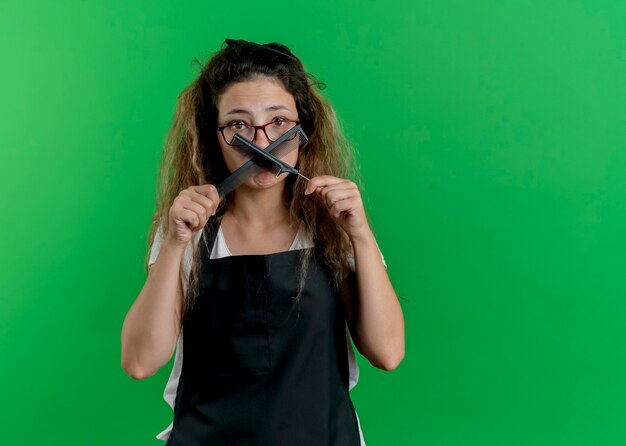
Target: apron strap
x,y
209,233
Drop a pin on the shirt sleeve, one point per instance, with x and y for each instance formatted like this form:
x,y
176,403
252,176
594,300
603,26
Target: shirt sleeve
x,y
157,242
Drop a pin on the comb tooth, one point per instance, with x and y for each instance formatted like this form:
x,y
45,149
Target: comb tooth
x,y
285,148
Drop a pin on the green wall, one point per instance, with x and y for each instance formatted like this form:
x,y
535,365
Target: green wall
x,y
491,137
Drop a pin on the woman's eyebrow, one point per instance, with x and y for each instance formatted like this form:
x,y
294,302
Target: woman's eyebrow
x,y
236,111
277,107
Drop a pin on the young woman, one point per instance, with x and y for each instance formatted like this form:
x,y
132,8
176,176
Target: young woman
x,y
267,284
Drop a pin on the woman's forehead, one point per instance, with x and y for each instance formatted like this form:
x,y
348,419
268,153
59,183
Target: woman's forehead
x,y
255,96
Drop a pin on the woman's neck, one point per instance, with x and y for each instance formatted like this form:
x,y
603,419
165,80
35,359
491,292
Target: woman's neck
x,y
257,222
259,208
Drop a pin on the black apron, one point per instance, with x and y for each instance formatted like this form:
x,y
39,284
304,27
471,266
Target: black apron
x,y
259,368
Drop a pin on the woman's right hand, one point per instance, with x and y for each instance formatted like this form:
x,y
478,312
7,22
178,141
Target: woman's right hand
x,y
190,211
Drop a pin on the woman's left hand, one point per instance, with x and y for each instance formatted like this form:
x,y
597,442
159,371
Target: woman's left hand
x,y
343,201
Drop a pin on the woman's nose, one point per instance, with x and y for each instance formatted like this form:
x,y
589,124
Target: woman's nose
x,y
260,139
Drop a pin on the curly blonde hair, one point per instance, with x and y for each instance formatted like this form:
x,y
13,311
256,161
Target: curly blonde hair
x,y
192,154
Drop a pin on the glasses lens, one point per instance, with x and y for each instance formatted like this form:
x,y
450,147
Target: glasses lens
x,y
238,129
277,129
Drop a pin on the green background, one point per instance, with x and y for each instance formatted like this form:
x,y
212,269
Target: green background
x,y
491,141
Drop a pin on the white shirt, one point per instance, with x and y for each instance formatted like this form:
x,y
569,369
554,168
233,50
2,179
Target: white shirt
x,y
221,250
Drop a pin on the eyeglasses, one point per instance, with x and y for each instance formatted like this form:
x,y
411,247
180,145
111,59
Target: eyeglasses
x,y
273,130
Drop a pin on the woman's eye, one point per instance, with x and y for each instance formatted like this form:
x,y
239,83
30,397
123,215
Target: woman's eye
x,y
238,125
279,122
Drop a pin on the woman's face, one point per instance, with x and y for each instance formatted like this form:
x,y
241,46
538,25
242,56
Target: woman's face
x,y
255,102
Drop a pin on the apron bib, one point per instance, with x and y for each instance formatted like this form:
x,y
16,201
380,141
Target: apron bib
x,y
260,368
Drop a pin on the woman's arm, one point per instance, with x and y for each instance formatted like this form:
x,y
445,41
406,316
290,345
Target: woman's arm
x,y
375,317
153,323
373,311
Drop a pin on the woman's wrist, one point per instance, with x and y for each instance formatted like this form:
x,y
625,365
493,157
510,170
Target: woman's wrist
x,y
173,248
363,240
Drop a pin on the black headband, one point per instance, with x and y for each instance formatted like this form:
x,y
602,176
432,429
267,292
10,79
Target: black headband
x,y
232,42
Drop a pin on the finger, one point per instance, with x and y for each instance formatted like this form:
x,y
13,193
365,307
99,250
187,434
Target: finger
x,y
339,190
208,190
336,195
349,205
320,182
343,186
202,212
209,203
190,218
346,186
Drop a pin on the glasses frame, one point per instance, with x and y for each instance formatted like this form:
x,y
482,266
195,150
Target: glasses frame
x,y
256,128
